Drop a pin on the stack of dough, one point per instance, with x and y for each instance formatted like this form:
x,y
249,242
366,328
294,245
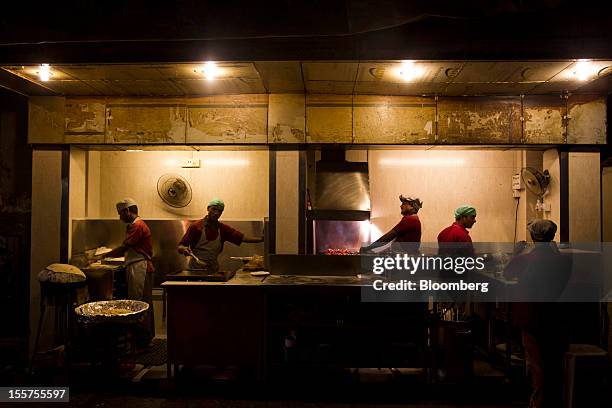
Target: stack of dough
x,y
61,273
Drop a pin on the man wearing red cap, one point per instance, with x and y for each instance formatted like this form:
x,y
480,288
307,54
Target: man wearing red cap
x,y
407,232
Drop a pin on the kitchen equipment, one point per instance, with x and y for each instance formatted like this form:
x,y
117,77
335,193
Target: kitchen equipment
x,y
260,273
112,311
266,250
244,259
535,180
100,280
198,260
340,216
201,275
316,265
341,185
93,233
174,190
114,261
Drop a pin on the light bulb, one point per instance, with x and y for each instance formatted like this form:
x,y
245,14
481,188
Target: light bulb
x,y
44,72
408,71
210,70
583,70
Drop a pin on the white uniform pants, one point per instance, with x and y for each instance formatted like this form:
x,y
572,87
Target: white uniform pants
x,y
140,287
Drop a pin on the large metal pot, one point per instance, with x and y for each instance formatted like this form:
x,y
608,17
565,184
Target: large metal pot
x,y
112,311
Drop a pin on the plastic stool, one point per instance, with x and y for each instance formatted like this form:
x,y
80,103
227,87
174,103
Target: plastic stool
x,y
585,366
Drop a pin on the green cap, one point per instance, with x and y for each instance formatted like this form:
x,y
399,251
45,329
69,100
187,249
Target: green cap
x,y
465,210
217,202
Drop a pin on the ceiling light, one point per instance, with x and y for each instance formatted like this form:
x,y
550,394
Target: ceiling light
x,y
44,72
583,70
408,71
210,70
133,150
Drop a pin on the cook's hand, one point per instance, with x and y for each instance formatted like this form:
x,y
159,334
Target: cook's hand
x,y
184,250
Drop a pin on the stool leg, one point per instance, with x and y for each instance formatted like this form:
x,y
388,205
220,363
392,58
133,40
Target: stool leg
x,y
163,303
43,308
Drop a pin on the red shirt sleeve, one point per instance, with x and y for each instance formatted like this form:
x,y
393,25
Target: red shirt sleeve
x,y
192,235
230,234
406,224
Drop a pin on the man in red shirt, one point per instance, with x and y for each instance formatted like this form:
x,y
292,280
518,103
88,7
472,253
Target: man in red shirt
x,y
543,274
407,232
205,238
455,239
137,248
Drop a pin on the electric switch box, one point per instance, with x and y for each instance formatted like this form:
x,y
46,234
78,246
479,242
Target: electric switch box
x,y
191,164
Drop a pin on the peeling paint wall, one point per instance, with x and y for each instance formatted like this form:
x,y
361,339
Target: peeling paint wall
x,y
394,119
85,121
299,118
287,118
46,119
146,123
544,121
587,120
329,119
479,120
228,119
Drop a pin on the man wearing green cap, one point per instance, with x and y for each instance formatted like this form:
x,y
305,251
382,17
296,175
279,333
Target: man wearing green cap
x,y
455,239
205,238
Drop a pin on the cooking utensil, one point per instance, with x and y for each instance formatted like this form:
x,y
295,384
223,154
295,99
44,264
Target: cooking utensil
x,y
260,273
112,311
242,258
198,260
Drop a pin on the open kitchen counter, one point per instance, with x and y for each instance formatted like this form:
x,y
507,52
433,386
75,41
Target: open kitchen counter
x,y
241,278
246,321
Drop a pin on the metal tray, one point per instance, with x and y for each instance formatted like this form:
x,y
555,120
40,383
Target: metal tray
x,y
112,311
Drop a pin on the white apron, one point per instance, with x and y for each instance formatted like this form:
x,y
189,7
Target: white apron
x,y
207,251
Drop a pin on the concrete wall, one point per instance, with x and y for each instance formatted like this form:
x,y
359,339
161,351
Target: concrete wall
x,y
584,197
287,201
46,212
78,188
240,178
443,180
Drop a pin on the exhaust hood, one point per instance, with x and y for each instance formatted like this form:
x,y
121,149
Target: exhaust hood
x,y
342,188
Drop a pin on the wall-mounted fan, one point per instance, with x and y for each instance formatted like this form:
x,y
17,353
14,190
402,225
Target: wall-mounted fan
x,y
174,190
535,180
